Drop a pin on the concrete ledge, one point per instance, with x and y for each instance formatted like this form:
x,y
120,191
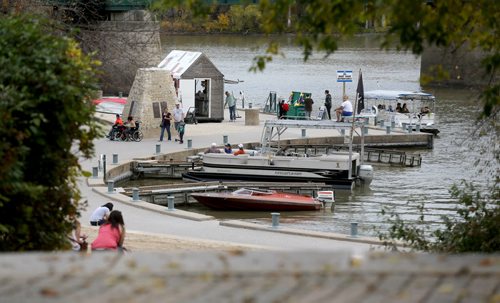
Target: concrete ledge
x,y
150,206
92,182
300,232
248,276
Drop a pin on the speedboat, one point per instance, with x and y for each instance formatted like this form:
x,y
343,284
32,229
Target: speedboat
x,y
420,105
251,199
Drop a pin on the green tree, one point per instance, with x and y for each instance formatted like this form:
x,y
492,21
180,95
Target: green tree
x,y
46,124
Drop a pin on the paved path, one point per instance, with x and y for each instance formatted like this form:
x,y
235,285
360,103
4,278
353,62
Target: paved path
x,y
203,135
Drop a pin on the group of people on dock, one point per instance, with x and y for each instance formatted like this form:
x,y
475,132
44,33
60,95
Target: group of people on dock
x,y
344,110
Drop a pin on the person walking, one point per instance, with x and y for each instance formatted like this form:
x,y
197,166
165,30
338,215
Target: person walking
x,y
231,103
180,130
328,103
165,125
179,116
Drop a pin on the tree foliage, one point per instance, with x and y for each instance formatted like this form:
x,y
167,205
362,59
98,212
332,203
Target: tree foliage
x,y
46,124
475,228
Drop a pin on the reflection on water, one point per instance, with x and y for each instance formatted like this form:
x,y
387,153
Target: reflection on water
x,y
399,189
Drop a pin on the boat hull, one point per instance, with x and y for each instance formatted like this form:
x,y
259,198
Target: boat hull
x,y
332,169
204,176
282,202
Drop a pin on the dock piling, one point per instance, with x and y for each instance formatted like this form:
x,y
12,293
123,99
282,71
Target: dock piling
x,y
170,202
135,194
388,129
276,219
111,187
354,229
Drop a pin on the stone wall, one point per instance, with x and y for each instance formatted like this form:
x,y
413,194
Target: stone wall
x,y
462,64
153,90
131,40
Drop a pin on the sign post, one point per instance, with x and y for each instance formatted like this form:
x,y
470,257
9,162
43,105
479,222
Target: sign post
x,y
344,76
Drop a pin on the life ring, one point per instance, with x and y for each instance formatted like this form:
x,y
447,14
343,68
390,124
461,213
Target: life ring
x,y
375,109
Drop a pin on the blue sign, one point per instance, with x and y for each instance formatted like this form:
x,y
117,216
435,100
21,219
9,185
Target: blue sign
x,y
344,76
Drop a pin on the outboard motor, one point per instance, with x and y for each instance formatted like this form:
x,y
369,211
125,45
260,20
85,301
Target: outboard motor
x,y
366,174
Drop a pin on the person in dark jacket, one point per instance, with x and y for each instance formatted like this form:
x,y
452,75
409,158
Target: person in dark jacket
x,y
308,107
328,103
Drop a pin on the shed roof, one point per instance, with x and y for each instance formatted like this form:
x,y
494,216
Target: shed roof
x,y
179,61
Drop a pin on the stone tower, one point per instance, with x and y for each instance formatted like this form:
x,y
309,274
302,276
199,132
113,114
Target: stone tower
x,y
152,91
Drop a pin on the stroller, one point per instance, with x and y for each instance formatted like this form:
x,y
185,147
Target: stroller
x,y
191,116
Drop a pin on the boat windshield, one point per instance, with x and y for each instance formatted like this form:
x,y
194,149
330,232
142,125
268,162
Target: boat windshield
x,y
253,192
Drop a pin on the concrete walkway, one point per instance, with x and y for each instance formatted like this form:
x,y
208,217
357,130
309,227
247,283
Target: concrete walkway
x,y
158,220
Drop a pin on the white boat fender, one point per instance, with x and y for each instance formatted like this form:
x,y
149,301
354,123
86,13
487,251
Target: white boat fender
x,y
366,173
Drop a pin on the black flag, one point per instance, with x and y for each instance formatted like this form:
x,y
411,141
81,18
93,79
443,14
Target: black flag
x,y
361,93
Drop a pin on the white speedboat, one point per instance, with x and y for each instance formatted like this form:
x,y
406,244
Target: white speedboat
x,y
341,169
420,105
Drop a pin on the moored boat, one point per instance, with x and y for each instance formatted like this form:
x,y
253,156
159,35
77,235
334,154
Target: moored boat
x,y
340,169
250,199
420,108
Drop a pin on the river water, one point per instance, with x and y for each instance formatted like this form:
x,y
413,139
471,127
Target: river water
x,y
399,190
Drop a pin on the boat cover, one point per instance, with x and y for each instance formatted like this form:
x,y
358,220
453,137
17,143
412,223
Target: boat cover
x,y
397,94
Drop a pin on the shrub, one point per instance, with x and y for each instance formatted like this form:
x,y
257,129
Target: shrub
x,y
46,124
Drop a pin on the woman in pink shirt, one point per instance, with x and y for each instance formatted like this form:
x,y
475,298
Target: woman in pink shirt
x,y
111,234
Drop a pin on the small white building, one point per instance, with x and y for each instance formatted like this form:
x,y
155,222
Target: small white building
x,y
198,82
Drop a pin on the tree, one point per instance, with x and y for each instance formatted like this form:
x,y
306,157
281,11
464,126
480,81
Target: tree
x,y
47,122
